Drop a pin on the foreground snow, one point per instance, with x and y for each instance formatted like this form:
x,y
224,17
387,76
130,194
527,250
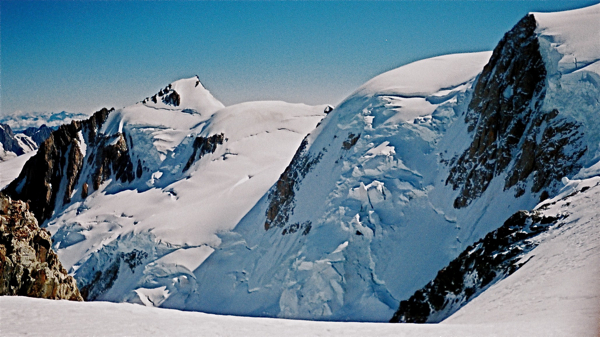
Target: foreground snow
x,y
21,316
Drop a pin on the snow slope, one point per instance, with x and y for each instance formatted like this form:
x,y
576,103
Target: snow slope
x,y
31,316
145,237
10,169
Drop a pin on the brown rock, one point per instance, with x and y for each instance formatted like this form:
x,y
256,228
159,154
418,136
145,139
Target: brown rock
x,y
28,265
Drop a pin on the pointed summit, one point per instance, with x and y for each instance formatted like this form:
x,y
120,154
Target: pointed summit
x,y
187,93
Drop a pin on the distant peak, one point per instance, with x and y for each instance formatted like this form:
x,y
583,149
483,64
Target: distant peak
x,y
186,93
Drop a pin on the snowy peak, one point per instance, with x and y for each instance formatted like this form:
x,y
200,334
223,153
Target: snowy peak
x,y
188,94
426,77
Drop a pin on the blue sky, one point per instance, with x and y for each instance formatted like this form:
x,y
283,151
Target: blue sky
x,y
80,56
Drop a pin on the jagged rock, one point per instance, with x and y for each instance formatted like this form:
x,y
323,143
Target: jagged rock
x,y
8,140
202,146
28,265
490,259
167,95
510,132
351,141
42,179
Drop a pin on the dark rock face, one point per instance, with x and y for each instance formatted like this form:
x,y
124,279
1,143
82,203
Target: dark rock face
x,y
203,146
38,135
281,196
59,162
167,95
8,140
490,259
28,265
510,133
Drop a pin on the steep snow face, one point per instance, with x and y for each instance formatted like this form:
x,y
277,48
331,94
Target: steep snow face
x,y
349,228
195,174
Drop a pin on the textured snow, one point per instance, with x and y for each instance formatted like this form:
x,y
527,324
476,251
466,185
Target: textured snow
x,y
383,194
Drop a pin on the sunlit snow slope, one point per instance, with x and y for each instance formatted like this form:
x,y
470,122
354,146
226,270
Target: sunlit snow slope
x,y
21,316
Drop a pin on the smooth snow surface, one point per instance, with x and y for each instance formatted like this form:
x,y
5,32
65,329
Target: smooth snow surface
x,y
22,316
10,168
575,35
425,77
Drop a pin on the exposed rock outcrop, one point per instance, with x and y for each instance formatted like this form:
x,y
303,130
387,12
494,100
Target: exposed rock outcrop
x,y
50,177
490,259
281,196
168,96
510,131
203,146
28,265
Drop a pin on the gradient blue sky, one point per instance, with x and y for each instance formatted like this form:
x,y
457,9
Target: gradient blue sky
x,y
80,56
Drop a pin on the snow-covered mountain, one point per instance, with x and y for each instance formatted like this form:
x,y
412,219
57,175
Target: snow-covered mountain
x,y
134,197
13,145
431,169
410,170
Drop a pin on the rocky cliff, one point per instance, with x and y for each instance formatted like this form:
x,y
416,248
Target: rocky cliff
x,y
51,177
512,135
28,265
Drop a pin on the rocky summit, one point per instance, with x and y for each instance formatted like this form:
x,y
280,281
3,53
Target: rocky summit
x,y
28,265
